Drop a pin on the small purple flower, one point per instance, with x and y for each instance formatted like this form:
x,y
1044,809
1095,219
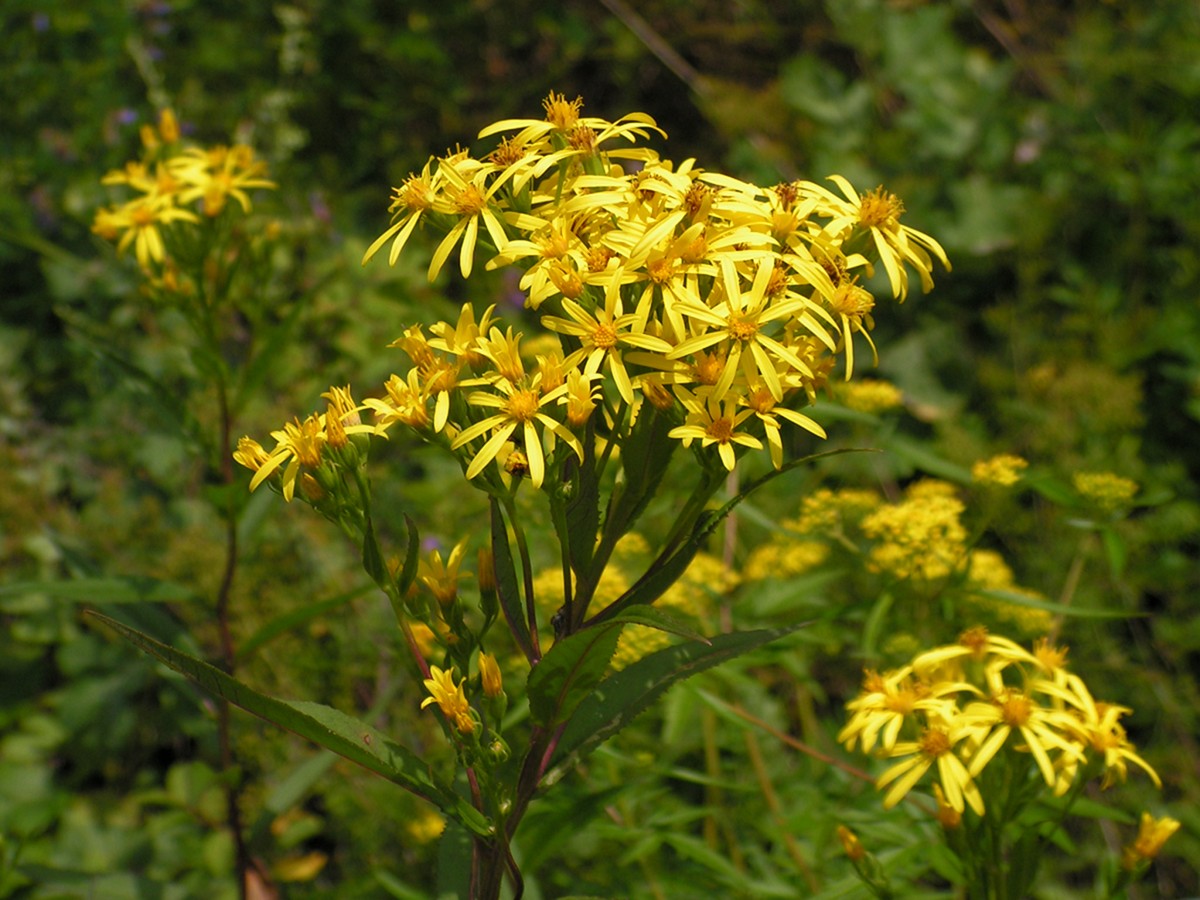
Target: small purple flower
x,y
41,22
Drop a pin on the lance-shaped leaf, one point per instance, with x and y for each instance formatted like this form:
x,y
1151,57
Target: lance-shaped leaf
x,y
617,700
331,729
506,582
583,505
569,671
575,665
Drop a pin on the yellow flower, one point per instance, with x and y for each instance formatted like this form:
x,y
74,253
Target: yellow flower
x,y
409,202
520,408
879,213
851,845
1152,834
871,395
1099,730
784,559
468,196
450,698
140,219
297,444
215,175
760,401
741,322
889,701
1008,710
406,403
440,577
603,332
935,746
714,422
921,537
999,471
489,672
974,644
1108,491
250,454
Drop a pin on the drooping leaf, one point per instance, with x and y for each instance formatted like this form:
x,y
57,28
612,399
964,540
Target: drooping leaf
x,y
334,730
618,699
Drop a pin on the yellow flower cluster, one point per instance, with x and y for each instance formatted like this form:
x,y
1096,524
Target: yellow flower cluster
x,y
999,471
957,707
167,179
1107,490
871,395
304,445
689,289
921,536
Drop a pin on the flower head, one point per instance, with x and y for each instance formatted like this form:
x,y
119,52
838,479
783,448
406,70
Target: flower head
x,y
451,699
1152,834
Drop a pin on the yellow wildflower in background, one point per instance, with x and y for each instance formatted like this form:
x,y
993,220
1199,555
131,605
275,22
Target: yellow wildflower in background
x,y
1108,491
871,395
784,557
921,537
999,471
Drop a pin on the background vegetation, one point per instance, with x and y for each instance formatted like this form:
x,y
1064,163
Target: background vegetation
x,y
1050,147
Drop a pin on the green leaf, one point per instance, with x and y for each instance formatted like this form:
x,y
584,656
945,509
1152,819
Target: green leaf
x,y
1115,551
583,507
348,737
506,581
662,620
1061,609
454,863
921,457
372,557
130,589
569,672
875,622
295,618
408,573
621,697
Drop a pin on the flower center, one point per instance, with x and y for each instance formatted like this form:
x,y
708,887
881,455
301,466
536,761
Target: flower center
x,y
660,271
522,406
742,327
935,742
720,430
604,336
879,209
470,201
1015,709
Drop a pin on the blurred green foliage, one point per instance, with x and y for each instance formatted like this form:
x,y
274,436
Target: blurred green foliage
x,y
1050,147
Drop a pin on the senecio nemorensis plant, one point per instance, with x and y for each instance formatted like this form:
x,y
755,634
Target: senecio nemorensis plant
x,y
687,319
